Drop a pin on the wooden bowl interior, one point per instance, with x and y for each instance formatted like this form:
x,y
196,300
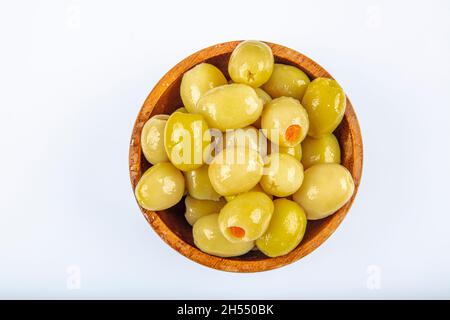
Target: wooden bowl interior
x,y
173,218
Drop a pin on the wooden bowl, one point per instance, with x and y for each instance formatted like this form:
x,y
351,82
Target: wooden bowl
x,y
171,225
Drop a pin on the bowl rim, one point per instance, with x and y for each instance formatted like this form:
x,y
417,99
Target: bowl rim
x,y
313,70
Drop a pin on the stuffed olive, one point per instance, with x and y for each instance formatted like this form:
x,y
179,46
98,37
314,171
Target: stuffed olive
x,y
283,175
230,106
198,184
160,187
195,209
325,189
187,140
286,229
246,217
264,96
325,102
209,239
321,150
152,139
251,62
286,81
235,170
285,121
197,82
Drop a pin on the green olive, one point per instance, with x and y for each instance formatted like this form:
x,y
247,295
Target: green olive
x,y
257,188
209,239
283,175
251,63
187,140
198,184
286,229
246,217
248,137
295,151
287,81
235,170
197,81
322,150
195,209
160,187
152,139
285,121
182,109
325,189
325,102
230,106
264,96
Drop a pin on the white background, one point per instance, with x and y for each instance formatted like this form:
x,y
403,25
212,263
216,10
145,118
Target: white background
x,y
73,76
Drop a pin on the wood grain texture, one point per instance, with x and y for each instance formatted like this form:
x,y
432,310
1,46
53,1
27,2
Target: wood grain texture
x,y
171,225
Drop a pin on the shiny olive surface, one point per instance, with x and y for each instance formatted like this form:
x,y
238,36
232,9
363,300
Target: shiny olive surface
x,y
198,184
246,217
287,81
325,102
264,96
286,229
230,106
160,187
152,139
195,209
321,150
181,109
197,81
283,175
186,139
248,137
295,151
235,170
285,121
208,238
251,63
325,189
257,188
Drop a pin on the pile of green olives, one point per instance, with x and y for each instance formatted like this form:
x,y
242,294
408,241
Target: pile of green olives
x,y
253,156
